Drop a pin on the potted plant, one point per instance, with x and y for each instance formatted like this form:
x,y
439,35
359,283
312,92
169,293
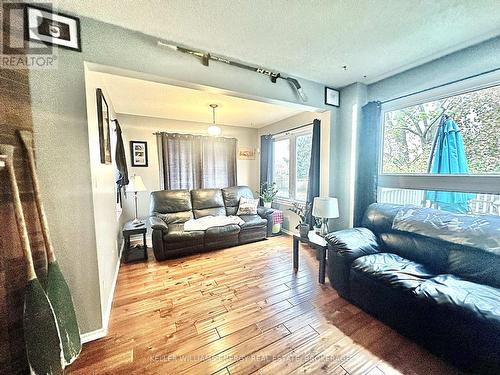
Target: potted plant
x,y
302,211
268,192
317,225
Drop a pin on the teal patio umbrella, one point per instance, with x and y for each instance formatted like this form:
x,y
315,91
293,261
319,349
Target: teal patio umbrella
x,y
449,158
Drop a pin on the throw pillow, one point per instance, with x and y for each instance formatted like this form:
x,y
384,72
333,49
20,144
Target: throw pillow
x,y
248,206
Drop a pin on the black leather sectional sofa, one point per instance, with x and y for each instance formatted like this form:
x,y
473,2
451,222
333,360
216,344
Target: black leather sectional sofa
x,y
444,295
170,209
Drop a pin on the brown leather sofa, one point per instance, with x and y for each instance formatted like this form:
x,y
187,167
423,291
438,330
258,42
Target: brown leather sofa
x,y
170,209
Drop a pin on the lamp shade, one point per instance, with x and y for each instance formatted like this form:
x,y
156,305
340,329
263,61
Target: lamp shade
x,y
135,184
325,207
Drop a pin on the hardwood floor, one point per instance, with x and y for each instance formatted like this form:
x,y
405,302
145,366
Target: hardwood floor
x,y
243,310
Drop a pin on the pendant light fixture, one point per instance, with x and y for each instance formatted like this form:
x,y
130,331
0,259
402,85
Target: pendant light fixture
x,y
213,129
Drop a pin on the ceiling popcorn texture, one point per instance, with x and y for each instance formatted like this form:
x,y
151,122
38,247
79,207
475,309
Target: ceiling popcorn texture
x,y
309,39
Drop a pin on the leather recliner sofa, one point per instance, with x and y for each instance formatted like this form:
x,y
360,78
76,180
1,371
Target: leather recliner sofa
x,y
170,209
443,295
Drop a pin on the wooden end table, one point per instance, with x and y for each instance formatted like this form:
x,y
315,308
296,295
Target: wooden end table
x,y
316,242
129,252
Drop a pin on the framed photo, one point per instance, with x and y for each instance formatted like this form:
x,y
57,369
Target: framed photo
x,y
139,153
57,29
332,97
103,125
245,153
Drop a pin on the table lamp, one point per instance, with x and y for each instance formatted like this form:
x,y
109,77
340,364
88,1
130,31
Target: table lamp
x,y
325,208
135,185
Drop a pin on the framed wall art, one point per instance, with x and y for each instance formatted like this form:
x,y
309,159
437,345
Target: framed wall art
x,y
332,97
245,153
103,125
139,153
56,29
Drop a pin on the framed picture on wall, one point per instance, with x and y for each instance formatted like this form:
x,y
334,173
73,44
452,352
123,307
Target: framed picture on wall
x,y
246,153
139,153
56,29
103,126
332,97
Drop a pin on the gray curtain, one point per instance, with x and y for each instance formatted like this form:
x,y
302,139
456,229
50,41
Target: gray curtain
x,y
266,159
367,163
195,161
314,168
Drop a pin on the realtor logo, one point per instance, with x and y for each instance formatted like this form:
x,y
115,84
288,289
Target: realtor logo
x,y
16,51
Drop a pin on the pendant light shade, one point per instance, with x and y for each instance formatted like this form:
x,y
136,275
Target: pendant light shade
x,y
213,129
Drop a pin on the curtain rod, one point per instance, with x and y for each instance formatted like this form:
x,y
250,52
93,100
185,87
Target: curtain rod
x,y
196,135
292,129
438,86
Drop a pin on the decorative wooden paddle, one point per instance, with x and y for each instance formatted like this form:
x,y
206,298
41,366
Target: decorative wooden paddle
x,y
58,290
41,333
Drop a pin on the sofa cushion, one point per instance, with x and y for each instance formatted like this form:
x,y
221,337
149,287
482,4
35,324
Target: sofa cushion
x,y
427,251
226,230
474,264
471,300
253,221
176,233
392,270
172,206
232,197
207,202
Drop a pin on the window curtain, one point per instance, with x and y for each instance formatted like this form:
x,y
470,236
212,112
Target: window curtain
x,y
196,162
314,168
367,162
266,159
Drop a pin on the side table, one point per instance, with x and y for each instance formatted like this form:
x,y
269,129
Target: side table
x,y
316,242
133,253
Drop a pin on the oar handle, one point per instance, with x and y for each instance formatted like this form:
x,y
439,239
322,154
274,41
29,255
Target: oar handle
x,y
8,151
27,140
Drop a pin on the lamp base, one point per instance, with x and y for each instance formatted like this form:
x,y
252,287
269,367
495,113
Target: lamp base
x,y
324,228
136,221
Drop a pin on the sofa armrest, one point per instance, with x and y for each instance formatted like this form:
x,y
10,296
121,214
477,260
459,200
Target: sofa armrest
x,y
156,223
353,243
267,213
344,247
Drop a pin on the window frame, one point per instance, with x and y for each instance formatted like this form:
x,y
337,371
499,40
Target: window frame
x,y
292,172
477,183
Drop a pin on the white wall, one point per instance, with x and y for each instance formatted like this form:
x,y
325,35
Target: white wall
x,y
344,144
140,128
290,219
106,217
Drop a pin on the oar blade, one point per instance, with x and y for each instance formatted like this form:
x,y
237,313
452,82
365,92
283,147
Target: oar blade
x,y
41,334
59,295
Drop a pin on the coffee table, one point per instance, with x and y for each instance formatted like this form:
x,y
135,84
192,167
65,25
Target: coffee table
x,y
316,242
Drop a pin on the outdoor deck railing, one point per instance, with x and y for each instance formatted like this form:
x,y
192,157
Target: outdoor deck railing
x,y
483,204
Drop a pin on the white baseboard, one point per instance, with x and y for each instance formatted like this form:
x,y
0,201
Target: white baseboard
x,y
93,335
102,332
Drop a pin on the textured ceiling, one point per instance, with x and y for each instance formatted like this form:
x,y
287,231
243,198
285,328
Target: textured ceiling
x,y
310,39
179,103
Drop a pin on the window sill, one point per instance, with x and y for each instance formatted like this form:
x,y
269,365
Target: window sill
x,y
287,202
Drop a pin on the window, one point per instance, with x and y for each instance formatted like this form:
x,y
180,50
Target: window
x,y
409,132
291,159
409,138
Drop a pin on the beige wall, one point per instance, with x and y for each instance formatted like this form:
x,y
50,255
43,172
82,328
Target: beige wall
x,y
290,219
140,128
